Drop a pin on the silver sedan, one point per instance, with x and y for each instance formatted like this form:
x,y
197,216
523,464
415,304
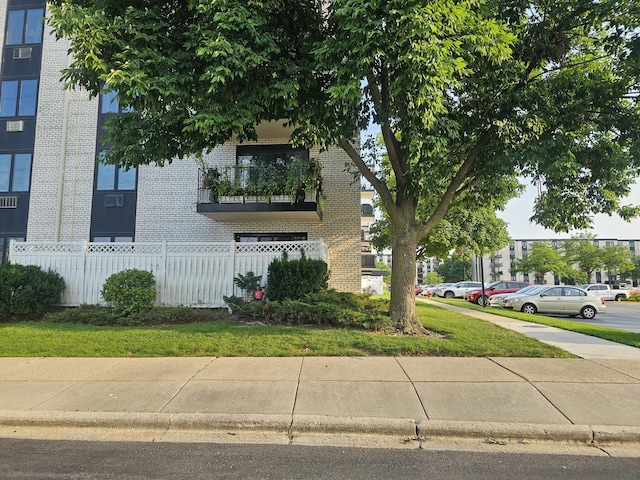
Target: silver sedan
x,y
558,299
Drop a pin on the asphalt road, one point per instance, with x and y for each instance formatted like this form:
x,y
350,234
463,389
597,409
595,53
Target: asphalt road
x,y
620,315
69,460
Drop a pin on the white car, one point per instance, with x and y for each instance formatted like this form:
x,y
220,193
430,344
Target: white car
x,y
559,299
457,290
431,291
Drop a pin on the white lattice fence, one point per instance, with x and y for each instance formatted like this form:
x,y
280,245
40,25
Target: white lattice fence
x,y
195,274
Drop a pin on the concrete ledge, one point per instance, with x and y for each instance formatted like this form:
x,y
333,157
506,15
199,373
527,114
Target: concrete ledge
x,y
420,429
233,421
360,425
85,419
436,428
147,421
611,433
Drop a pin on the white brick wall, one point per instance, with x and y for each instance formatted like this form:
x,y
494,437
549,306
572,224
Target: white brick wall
x,y
167,210
64,153
63,169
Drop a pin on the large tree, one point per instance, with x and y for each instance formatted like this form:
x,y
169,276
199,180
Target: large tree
x,y
467,94
583,250
616,259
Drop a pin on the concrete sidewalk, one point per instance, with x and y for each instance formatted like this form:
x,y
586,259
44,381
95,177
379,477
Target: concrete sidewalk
x,y
593,400
410,399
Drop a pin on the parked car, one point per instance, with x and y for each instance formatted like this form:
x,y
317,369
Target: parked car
x,y
431,291
457,290
605,291
559,299
501,286
498,299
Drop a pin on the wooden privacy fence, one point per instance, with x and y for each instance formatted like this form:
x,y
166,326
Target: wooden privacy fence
x,y
190,274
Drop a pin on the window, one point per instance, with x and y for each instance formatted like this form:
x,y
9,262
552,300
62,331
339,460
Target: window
x,y
573,292
4,246
554,292
270,237
15,172
110,178
268,163
18,98
114,239
109,103
25,27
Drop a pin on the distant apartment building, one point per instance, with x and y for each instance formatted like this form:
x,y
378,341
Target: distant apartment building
x,y
498,266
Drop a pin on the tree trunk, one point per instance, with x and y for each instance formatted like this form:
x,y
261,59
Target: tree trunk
x,y
403,272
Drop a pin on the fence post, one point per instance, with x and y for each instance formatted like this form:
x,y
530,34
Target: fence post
x,y
11,252
83,271
233,268
163,277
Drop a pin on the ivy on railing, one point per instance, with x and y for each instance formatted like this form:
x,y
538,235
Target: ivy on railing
x,y
263,182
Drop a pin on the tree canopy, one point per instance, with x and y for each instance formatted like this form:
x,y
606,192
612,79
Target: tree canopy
x,y
468,94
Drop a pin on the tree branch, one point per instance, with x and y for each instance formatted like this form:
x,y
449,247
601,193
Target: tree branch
x,y
380,187
380,104
453,188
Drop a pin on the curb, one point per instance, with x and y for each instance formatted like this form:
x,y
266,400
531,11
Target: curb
x,y
312,424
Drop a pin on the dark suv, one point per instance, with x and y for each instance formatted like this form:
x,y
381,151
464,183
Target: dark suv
x,y
500,286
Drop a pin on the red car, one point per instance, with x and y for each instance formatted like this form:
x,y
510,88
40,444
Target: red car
x,y
500,286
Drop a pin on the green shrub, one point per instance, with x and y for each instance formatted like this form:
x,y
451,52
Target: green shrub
x,y
130,291
104,316
330,308
295,279
26,289
85,314
239,306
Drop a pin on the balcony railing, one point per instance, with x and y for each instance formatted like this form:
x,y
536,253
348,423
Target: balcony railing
x,y
257,191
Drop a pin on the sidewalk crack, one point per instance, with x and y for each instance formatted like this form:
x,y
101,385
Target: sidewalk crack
x,y
295,401
184,384
414,389
536,389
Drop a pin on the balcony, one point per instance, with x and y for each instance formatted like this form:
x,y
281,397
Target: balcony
x,y
368,261
251,193
367,213
366,192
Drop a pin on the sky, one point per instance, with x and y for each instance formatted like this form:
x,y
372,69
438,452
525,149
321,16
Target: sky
x,y
519,210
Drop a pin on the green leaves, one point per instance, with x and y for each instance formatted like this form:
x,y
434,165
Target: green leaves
x,y
468,94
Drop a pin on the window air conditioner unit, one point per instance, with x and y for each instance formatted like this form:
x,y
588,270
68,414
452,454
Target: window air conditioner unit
x,y
15,126
22,53
8,202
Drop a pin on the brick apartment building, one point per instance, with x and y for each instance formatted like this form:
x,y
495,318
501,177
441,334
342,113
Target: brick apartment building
x,y
52,189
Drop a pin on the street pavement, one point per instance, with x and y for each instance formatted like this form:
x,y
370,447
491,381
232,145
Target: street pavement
x,y
591,401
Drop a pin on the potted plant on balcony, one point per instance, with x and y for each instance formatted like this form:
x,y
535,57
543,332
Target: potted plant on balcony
x,y
211,182
304,182
229,192
313,180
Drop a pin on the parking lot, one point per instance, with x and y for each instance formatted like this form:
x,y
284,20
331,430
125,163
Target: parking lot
x,y
620,315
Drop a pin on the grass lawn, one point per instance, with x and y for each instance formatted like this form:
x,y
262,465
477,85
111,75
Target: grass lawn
x,y
615,335
463,337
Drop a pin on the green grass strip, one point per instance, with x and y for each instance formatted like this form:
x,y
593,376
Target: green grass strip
x,y
613,334
464,337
